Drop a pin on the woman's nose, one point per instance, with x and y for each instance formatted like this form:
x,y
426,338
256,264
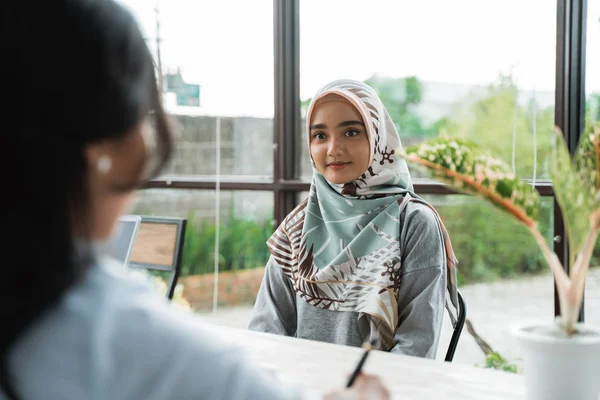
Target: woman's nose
x,y
336,147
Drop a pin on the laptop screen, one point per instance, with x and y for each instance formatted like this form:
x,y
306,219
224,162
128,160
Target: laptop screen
x,y
121,244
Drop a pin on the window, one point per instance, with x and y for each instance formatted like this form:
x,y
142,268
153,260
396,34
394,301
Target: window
x,y
202,48
501,273
592,82
592,86
440,66
238,222
485,71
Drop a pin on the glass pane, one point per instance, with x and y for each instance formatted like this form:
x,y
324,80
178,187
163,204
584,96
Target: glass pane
x,y
489,78
592,77
244,227
216,90
502,274
592,85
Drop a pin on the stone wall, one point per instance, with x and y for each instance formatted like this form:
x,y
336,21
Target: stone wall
x,y
242,140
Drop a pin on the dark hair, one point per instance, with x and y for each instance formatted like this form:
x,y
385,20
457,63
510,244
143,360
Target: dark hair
x,y
75,72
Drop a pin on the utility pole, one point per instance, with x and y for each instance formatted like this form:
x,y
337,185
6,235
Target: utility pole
x,y
158,40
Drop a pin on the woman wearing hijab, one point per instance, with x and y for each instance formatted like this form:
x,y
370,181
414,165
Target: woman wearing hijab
x,y
363,258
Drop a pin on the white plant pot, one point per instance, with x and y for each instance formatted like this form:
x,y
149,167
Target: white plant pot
x,y
558,367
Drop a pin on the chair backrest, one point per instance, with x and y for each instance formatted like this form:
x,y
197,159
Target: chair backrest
x,y
460,322
159,247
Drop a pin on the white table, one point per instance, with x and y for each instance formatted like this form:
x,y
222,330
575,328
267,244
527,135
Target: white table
x,y
320,367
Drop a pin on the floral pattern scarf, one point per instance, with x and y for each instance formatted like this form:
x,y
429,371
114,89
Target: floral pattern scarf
x,y
340,247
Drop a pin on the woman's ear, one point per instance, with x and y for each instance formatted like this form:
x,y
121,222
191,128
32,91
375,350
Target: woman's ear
x,y
99,157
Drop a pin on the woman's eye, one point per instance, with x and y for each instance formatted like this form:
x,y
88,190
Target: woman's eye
x,y
319,135
352,133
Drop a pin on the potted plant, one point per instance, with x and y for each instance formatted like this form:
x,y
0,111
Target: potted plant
x,y
561,357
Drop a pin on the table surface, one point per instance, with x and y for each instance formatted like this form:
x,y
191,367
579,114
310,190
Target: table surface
x,y
320,367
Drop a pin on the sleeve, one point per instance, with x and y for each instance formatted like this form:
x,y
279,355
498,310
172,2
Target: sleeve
x,y
422,291
275,307
158,352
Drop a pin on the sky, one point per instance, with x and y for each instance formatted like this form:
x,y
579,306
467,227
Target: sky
x,y
226,46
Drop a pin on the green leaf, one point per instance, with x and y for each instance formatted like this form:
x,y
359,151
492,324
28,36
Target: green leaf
x,y
573,194
467,168
495,361
587,162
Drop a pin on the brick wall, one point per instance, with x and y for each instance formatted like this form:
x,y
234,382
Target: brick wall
x,y
235,288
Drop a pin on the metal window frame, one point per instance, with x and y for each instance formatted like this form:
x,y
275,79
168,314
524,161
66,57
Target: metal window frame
x,y
569,108
422,186
287,120
569,116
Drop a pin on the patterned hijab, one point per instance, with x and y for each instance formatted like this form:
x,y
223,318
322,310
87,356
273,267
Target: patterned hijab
x,y
340,247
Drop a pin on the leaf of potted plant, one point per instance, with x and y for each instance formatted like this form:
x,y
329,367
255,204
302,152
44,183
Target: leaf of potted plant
x,y
562,357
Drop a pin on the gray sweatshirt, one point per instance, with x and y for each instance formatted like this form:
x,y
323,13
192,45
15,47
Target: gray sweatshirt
x,y
421,297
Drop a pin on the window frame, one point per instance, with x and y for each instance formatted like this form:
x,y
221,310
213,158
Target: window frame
x,y
571,28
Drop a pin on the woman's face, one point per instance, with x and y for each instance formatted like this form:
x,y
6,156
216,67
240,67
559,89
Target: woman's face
x,y
339,142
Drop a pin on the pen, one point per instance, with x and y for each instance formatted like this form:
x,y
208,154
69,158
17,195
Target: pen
x,y
368,346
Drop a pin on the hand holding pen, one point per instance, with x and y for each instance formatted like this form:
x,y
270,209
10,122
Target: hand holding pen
x,y
362,386
368,346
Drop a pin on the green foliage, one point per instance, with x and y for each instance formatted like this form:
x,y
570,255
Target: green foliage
x,y
400,96
491,119
466,167
592,109
488,245
593,116
586,163
462,164
496,361
575,186
242,245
